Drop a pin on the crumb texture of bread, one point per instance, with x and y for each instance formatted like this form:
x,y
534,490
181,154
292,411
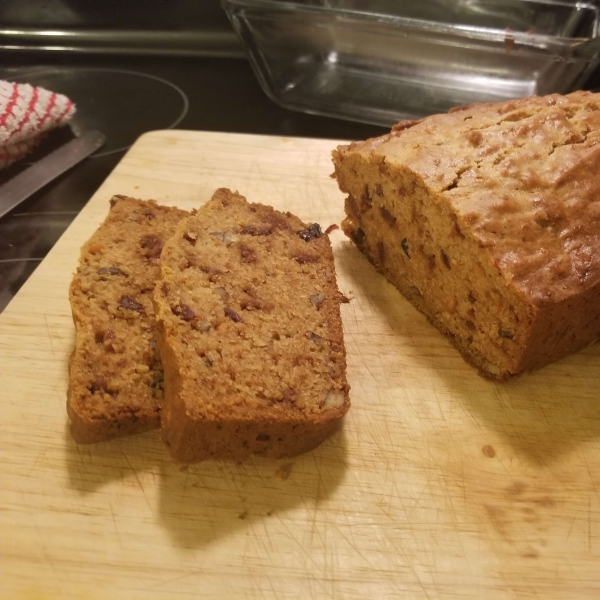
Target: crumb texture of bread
x,y
250,334
115,374
488,220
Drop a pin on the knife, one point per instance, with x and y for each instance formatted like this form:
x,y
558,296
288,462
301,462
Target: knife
x,y
21,186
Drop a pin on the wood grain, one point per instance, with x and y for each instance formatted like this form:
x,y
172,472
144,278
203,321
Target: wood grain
x,y
439,485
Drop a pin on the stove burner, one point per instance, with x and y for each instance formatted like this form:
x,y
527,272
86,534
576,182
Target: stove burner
x,y
121,104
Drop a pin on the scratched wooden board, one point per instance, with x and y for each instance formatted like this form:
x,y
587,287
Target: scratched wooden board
x,y
439,485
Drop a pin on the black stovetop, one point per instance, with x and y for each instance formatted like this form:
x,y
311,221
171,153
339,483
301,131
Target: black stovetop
x,y
125,87
124,97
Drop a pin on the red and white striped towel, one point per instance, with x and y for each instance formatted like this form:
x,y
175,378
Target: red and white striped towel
x,y
26,113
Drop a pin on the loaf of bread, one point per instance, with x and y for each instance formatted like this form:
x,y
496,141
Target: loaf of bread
x,y
115,375
249,332
488,220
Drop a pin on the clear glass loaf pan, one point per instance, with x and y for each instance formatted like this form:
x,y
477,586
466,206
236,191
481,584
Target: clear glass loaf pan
x,y
383,61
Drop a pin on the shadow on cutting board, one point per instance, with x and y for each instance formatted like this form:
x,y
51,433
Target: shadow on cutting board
x,y
541,415
206,501
545,414
130,458
210,500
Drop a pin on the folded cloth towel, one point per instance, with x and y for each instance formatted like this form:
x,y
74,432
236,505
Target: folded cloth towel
x,y
26,113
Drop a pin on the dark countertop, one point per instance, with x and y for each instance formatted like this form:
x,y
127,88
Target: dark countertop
x,y
223,95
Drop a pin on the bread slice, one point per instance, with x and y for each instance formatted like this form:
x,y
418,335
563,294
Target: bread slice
x,y
115,375
250,335
488,220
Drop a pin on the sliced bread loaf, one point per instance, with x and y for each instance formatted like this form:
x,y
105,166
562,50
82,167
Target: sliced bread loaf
x,y
488,220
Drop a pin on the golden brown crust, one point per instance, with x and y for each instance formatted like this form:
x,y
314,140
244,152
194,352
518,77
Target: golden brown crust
x,y
250,335
115,375
498,207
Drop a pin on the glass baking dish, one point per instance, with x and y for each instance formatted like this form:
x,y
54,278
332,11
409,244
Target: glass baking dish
x,y
386,60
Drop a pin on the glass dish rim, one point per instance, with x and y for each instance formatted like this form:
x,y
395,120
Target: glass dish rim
x,y
537,40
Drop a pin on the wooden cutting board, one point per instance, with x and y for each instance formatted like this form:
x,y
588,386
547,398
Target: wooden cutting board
x,y
439,485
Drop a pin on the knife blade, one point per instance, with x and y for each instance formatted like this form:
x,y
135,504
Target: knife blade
x,y
21,186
